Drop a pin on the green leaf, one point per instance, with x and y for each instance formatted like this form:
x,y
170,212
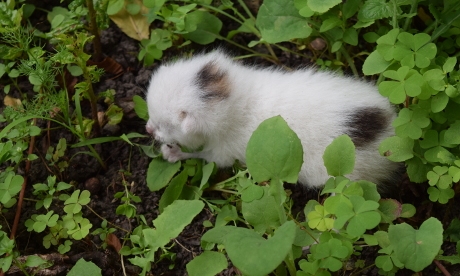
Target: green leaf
x,y
279,20
75,70
411,122
10,187
416,249
322,6
449,65
254,255
350,7
171,222
160,172
261,213
350,36
115,6
386,44
227,213
375,64
83,267
34,261
274,152
390,209
208,263
440,195
320,219
374,9
173,191
208,27
339,156
329,24
252,192
439,102
397,149
452,135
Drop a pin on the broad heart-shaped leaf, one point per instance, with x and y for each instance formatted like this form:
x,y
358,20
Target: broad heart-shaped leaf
x,y
397,149
83,267
452,135
160,173
339,156
171,222
274,152
207,27
416,249
322,6
254,255
279,20
208,263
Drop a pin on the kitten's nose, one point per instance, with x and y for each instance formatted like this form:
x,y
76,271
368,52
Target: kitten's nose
x,y
149,129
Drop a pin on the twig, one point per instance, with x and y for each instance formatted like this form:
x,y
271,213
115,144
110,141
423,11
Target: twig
x,y
442,268
182,246
24,184
94,212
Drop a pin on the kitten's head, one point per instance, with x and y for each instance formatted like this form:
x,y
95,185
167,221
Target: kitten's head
x,y
187,99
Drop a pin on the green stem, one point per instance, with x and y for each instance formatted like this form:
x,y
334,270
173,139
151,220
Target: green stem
x,y
413,9
114,225
269,57
246,9
349,61
289,261
395,15
92,99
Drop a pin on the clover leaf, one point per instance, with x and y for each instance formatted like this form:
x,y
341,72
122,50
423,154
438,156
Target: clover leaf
x,y
439,177
405,81
75,202
410,123
320,219
414,50
440,195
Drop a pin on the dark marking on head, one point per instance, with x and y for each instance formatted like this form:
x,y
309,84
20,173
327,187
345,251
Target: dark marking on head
x,y
365,125
213,82
182,115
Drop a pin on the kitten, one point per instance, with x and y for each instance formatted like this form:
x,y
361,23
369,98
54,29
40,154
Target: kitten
x,y
210,101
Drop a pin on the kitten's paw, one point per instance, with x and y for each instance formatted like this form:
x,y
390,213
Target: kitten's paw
x,y
172,152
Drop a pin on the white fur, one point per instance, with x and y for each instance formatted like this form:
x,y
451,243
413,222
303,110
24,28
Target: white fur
x,y
314,104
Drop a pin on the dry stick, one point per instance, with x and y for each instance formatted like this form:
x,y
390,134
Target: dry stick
x,y
94,30
21,194
24,184
442,268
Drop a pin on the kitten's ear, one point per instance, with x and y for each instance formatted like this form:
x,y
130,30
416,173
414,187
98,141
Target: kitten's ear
x,y
213,82
188,124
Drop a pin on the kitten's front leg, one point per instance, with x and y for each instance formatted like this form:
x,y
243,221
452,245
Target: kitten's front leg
x,y
173,153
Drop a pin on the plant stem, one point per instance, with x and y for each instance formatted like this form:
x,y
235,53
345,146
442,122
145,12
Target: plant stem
x,y
413,8
114,225
93,101
395,15
23,189
350,61
97,56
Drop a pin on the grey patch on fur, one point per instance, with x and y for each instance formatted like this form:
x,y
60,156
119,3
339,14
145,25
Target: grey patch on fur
x,y
213,82
365,125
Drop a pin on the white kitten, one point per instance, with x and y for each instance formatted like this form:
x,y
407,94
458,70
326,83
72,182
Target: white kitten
x,y
210,101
